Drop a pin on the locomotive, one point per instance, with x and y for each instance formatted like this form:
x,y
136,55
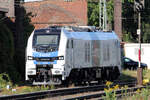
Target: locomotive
x,y
57,55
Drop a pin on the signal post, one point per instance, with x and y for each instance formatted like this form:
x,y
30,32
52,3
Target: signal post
x,y
139,6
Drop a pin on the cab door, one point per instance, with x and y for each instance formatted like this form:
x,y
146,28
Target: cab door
x,y
69,53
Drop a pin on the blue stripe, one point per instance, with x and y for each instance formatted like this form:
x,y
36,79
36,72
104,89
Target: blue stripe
x,y
49,54
42,63
41,54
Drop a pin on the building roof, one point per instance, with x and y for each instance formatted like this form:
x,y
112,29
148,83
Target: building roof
x,y
57,12
8,6
31,0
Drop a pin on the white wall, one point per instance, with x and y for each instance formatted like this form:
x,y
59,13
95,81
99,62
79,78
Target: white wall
x,y
131,51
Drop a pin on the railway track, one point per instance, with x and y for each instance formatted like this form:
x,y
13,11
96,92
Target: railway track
x,y
65,92
99,95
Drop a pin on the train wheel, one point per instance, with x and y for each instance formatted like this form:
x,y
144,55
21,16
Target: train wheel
x,y
116,73
99,81
65,83
108,74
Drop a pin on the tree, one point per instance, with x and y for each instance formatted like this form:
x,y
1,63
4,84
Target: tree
x,y
93,13
146,23
7,49
110,13
129,19
13,39
23,30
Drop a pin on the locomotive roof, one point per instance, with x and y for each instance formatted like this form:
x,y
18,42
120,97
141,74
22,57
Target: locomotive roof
x,y
98,35
47,31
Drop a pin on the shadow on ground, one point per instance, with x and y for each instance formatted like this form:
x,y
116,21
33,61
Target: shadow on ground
x,y
124,77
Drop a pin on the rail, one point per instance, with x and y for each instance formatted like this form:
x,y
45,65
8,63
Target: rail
x,y
60,92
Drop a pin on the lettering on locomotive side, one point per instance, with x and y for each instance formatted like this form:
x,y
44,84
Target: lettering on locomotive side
x,y
39,54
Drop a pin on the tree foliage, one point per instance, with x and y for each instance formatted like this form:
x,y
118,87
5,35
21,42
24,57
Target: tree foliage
x,y
23,30
146,23
129,19
7,51
9,36
93,13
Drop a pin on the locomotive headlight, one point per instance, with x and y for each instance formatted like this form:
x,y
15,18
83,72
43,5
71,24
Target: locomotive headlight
x,y
61,58
30,58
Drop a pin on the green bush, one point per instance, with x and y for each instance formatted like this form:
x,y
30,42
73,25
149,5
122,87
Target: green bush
x,y
5,80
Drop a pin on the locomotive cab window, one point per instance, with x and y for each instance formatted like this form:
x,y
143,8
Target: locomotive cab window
x,y
41,39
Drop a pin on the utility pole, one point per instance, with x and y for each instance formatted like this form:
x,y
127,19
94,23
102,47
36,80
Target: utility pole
x,y
139,27
118,18
105,16
102,15
139,6
139,70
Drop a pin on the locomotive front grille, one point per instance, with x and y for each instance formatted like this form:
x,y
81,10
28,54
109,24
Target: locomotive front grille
x,y
45,59
45,65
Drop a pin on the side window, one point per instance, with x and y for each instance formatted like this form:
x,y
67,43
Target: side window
x,y
71,43
127,60
87,52
106,52
68,44
85,47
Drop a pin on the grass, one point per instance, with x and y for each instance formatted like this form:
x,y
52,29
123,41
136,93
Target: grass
x,y
8,88
127,75
25,89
